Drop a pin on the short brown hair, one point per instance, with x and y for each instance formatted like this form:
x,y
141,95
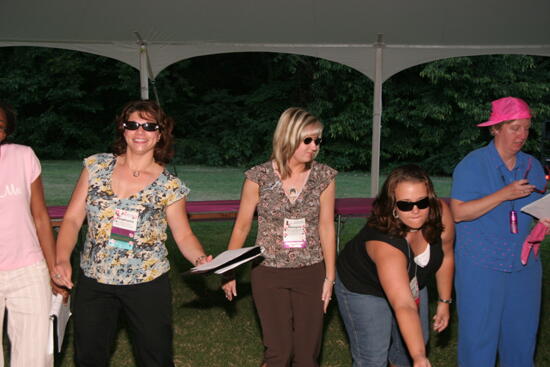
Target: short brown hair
x,y
164,149
382,217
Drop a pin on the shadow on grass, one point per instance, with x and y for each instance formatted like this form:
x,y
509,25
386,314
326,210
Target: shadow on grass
x,y
209,297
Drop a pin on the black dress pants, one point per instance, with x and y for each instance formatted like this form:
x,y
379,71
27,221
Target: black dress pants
x,y
148,311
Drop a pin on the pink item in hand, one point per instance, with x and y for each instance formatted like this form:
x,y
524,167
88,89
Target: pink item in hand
x,y
533,240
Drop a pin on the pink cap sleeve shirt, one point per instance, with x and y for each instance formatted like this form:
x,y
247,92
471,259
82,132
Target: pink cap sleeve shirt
x,y
19,246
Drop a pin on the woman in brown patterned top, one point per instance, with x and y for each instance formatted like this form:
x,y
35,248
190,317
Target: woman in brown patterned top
x,y
294,198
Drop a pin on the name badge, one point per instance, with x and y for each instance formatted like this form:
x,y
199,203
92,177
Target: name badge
x,y
124,229
415,291
294,233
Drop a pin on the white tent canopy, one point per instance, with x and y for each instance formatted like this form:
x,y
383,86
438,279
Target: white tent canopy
x,y
344,31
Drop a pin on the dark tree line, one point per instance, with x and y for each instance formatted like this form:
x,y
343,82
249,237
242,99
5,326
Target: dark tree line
x,y
226,106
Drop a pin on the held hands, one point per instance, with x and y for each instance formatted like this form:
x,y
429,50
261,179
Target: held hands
x,y
62,273
61,280
517,189
64,292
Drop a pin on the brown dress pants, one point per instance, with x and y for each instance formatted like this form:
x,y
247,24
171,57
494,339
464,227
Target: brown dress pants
x,y
288,301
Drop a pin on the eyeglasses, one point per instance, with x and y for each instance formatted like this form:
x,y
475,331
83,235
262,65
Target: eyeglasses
x,y
147,126
407,206
308,141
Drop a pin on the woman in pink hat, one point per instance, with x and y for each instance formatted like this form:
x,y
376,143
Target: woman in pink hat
x,y
498,297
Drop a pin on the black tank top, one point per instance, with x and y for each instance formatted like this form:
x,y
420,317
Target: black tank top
x,y
357,271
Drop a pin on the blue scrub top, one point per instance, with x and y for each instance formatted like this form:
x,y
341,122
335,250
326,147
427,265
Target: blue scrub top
x,y
487,240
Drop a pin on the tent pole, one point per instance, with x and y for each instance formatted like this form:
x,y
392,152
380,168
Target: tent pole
x,y
143,78
376,119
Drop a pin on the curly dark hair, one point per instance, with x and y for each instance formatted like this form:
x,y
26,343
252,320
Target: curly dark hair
x,y
382,217
11,118
150,110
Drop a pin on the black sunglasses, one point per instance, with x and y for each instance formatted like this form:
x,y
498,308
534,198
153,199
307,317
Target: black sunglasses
x,y
308,141
147,126
407,206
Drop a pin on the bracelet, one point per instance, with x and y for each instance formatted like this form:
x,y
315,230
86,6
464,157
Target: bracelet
x,y
328,280
199,259
447,301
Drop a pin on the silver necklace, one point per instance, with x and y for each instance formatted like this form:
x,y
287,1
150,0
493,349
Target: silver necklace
x,y
135,173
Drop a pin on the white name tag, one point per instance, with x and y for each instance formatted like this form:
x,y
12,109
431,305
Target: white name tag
x,y
294,233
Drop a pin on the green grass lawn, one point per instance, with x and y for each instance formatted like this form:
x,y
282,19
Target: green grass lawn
x,y
207,183
208,330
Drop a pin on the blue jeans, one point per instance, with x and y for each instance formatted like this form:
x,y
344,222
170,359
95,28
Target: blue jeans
x,y
372,329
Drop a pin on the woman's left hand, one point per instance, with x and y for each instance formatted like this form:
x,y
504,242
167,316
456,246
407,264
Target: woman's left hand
x,y
441,318
326,296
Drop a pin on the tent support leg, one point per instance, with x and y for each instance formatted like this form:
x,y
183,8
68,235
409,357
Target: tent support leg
x,y
376,119
143,79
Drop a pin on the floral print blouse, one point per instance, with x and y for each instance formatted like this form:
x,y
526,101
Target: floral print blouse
x,y
147,258
274,207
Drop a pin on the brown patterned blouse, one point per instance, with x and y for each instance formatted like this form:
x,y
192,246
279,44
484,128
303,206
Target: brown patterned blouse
x,y
274,206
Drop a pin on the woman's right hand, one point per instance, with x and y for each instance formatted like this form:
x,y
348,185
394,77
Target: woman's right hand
x,y
230,289
421,362
62,274
518,189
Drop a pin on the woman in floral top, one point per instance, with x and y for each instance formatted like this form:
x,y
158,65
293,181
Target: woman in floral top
x,y
128,199
294,197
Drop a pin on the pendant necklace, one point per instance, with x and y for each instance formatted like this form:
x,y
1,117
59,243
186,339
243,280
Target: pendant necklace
x,y
292,194
135,173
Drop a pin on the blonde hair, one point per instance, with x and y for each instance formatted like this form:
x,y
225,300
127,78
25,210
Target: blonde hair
x,y
288,136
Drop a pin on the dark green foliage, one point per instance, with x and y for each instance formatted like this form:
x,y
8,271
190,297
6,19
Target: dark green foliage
x,y
65,100
226,106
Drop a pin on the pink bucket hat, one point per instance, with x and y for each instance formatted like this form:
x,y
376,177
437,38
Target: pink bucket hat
x,y
506,109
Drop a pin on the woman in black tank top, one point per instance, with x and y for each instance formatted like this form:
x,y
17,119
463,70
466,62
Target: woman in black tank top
x,y
408,237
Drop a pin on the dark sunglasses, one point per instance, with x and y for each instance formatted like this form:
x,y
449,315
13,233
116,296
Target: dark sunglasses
x,y
147,126
308,141
407,206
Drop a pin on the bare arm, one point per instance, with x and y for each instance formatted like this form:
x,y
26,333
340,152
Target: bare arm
x,y
44,229
473,209
42,223
391,267
444,276
68,233
328,241
250,196
187,242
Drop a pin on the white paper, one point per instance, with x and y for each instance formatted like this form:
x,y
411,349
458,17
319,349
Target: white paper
x,y
538,209
234,265
60,312
224,258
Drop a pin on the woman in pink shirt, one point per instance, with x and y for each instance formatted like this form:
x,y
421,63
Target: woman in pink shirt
x,y
26,250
